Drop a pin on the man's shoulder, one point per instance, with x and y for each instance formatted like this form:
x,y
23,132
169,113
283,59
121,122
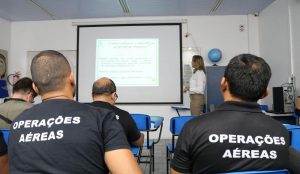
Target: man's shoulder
x,y
121,112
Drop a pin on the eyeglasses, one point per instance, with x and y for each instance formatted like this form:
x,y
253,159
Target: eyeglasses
x,y
116,96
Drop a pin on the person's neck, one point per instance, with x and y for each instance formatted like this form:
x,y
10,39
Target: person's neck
x,y
18,96
103,99
56,95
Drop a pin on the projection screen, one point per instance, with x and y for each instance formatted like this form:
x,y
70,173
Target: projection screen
x,y
144,61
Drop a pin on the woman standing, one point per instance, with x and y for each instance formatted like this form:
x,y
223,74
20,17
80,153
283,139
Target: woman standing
x,y
197,86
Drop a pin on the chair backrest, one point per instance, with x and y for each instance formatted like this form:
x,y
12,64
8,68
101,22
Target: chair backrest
x,y
177,123
5,134
262,172
294,135
264,107
142,121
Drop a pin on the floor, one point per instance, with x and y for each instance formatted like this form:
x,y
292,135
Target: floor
x,y
159,158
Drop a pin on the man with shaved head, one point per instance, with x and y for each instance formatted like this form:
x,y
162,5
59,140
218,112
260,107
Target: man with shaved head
x,y
237,136
60,135
104,94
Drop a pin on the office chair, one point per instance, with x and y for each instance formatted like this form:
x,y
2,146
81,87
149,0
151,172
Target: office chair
x,y
176,124
149,124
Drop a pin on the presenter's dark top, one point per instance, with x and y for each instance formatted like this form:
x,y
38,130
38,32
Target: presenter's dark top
x,y
3,147
63,136
128,124
235,137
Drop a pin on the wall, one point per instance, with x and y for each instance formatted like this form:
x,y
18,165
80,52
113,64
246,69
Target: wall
x,y
4,35
294,7
274,42
207,32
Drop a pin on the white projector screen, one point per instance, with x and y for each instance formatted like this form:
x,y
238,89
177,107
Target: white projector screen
x,y
144,61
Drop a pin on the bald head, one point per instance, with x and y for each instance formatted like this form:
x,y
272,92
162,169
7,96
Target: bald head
x,y
49,70
103,86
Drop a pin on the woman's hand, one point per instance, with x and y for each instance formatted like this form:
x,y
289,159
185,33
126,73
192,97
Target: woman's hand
x,y
186,88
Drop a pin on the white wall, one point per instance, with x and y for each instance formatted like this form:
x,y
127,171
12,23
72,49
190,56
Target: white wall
x,y
4,34
294,7
274,42
207,31
279,26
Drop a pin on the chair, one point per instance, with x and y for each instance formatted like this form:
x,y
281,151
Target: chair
x,y
176,124
262,172
5,134
264,107
136,151
294,135
149,124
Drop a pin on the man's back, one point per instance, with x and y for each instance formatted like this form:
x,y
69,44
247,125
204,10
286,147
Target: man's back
x,y
63,136
235,137
131,131
11,109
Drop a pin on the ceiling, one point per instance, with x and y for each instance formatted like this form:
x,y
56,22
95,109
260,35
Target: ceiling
x,y
34,10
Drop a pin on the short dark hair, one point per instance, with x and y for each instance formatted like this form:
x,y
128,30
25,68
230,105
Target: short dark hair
x,y
24,86
103,86
49,69
248,77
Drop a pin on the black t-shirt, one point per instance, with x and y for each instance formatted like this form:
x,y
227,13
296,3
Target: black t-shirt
x,y
3,147
124,118
63,136
235,137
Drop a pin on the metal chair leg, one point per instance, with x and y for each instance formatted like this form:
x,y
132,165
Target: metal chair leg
x,y
167,160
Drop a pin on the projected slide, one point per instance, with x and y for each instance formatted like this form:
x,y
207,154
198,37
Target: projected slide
x,y
129,62
144,61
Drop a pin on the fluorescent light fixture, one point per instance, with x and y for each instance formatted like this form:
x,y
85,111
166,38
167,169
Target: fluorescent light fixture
x,y
216,6
124,6
42,8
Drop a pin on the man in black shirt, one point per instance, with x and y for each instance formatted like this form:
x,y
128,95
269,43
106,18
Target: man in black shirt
x,y
237,136
3,156
104,96
61,135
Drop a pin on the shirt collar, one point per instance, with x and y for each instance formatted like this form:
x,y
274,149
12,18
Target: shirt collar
x,y
13,99
239,106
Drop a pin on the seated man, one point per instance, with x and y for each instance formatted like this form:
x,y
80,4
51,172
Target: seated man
x,y
21,99
61,135
237,136
104,96
3,156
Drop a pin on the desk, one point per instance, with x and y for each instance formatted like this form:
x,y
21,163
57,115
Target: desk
x,y
180,108
286,118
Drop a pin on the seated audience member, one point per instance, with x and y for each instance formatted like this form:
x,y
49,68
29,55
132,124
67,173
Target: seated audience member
x,y
21,99
104,96
3,156
237,136
61,135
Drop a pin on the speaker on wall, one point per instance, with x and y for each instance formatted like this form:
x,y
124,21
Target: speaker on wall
x,y
278,100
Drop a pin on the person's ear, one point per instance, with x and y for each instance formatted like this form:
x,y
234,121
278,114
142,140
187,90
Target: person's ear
x,y
265,94
72,79
34,87
224,84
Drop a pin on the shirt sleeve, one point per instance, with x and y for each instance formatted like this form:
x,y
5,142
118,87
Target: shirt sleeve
x,y
182,161
133,132
3,146
198,82
113,134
